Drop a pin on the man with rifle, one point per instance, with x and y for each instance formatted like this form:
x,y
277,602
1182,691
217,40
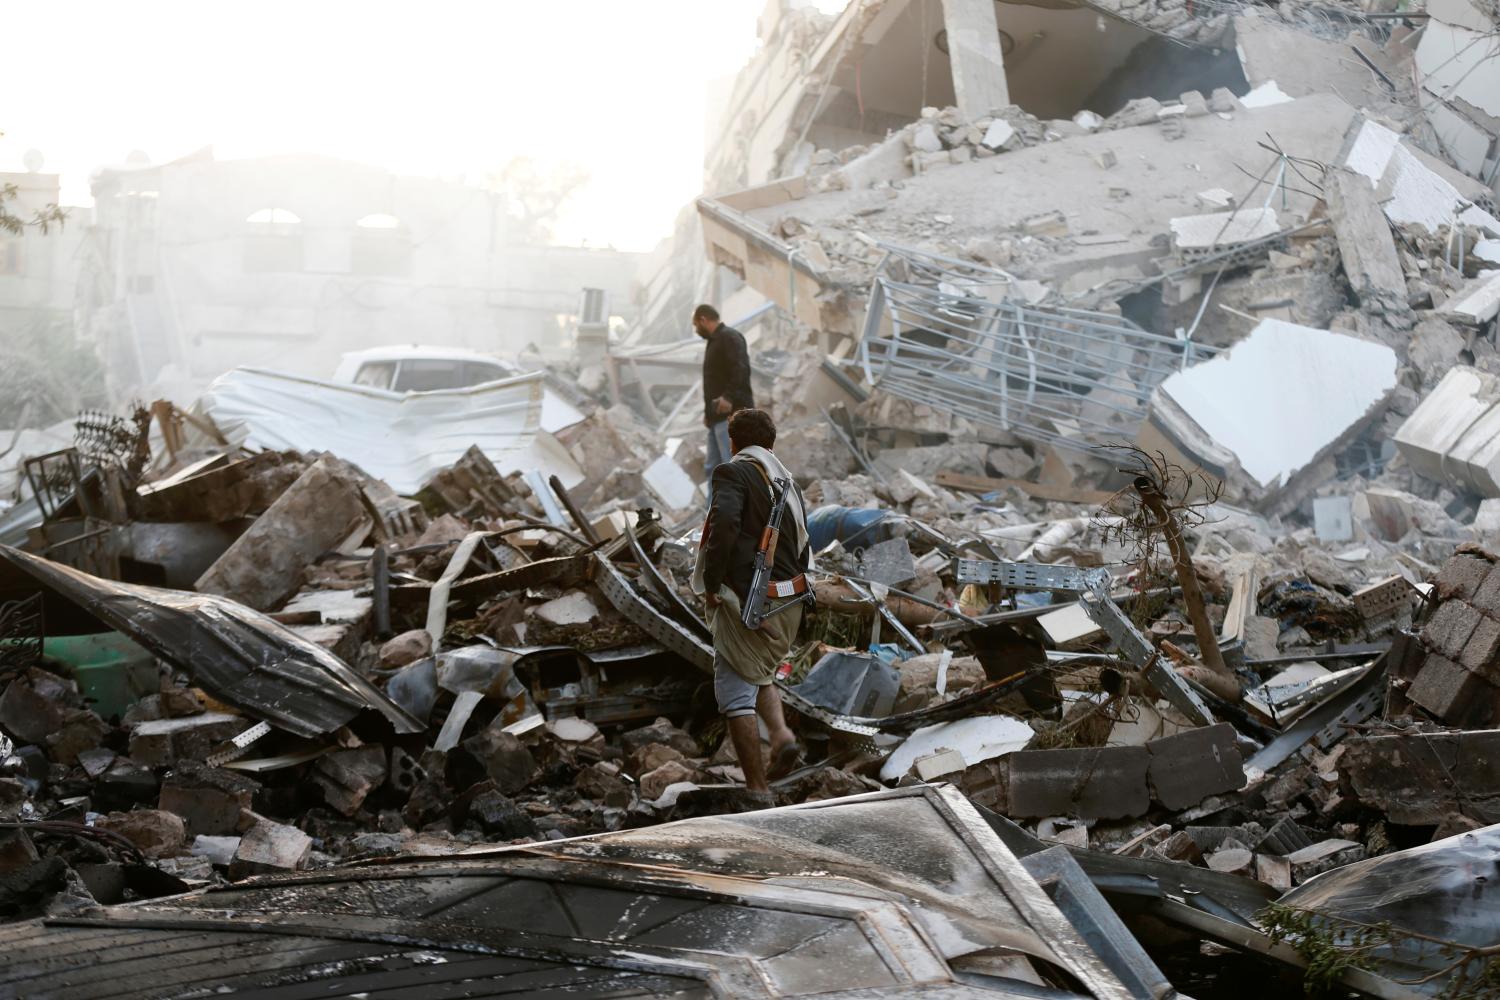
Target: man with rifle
x,y
751,566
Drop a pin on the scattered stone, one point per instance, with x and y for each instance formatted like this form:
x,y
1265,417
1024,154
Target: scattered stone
x,y
155,832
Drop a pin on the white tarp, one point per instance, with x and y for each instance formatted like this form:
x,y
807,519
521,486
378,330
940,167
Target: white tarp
x,y
402,438
1283,394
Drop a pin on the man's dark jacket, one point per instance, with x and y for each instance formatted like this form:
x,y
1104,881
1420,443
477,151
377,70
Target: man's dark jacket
x,y
726,372
741,507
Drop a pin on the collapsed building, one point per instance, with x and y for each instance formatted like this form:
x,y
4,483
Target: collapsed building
x,y
1138,363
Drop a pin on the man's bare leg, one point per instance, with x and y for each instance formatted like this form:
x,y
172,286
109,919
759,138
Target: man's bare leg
x,y
745,735
783,741
768,705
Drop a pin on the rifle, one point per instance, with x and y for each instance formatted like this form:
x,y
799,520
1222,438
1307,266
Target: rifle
x,y
754,613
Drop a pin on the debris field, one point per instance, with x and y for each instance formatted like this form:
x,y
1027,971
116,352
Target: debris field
x,y
1155,511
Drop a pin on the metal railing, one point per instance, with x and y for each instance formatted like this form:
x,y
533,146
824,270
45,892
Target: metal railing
x,y
961,338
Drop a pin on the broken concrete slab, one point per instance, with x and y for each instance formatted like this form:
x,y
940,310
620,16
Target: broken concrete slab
x,y
1328,386
1365,242
156,832
166,741
347,777
264,566
1453,436
210,801
1188,767
1092,783
1477,301
270,847
1422,778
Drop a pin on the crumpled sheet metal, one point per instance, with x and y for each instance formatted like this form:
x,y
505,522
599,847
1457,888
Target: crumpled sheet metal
x,y
880,895
403,439
1449,889
238,655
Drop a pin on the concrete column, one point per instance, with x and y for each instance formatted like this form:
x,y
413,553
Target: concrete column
x,y
974,50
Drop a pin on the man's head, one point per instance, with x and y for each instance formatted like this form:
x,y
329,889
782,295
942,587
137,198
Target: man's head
x,y
705,320
751,427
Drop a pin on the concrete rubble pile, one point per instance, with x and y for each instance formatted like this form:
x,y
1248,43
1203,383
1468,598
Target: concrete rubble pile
x,y
1155,510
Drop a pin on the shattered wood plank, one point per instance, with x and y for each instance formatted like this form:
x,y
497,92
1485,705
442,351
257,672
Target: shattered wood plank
x,y
1037,491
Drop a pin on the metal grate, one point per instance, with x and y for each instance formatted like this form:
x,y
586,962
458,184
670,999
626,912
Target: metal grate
x,y
107,440
959,337
22,628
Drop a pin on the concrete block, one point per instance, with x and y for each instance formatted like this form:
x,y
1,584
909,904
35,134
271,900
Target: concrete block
x,y
654,783
1383,597
500,817
1448,630
210,801
1487,597
1273,871
1456,696
408,647
1462,576
603,783
264,566
1190,766
660,731
166,741
1091,783
158,833
1481,653
505,758
270,847
650,757
1234,861
218,850
347,777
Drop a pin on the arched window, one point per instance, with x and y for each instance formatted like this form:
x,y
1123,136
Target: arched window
x,y
380,245
273,241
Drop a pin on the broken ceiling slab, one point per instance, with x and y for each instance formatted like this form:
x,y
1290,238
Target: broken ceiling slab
x,y
1459,61
1477,300
990,196
1453,436
1298,62
1275,403
402,438
238,655
1415,188
1197,236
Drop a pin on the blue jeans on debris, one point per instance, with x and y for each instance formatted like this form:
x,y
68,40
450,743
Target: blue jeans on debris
x,y
718,453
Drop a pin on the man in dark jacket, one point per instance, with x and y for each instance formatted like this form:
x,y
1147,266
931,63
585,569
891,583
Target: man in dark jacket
x,y
726,383
745,659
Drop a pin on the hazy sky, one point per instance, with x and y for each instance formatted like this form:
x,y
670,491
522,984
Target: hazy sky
x,y
440,87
